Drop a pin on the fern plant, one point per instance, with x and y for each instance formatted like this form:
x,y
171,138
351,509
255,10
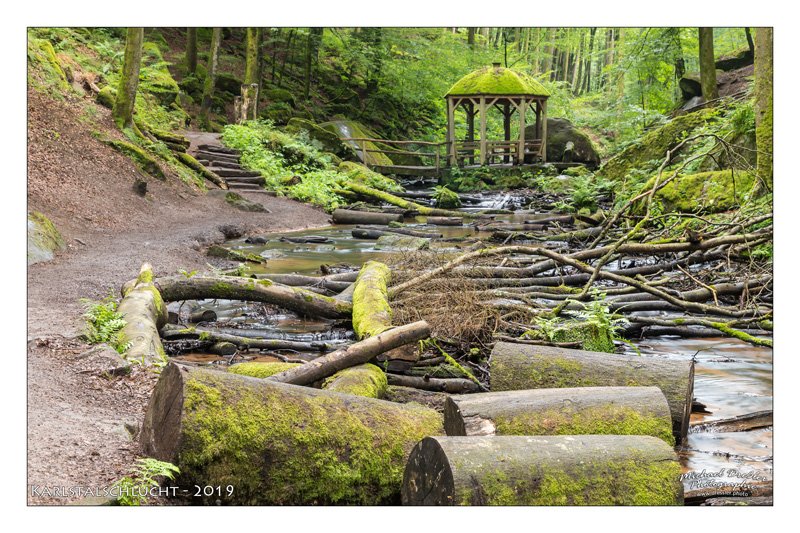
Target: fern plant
x,y
104,324
597,312
134,489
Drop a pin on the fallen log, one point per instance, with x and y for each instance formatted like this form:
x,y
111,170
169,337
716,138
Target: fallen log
x,y
195,165
297,299
745,488
298,280
371,312
552,470
739,501
432,399
405,231
347,216
389,198
355,354
202,315
522,366
278,444
177,333
363,380
444,221
748,422
449,385
143,310
565,411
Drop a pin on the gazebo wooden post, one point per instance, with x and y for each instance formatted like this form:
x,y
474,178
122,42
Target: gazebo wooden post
x,y
523,109
544,130
506,129
451,133
482,110
471,130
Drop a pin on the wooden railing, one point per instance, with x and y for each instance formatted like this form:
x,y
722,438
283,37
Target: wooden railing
x,y
432,153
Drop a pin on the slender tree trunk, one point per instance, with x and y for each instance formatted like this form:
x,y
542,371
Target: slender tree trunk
x,y
565,64
211,78
191,50
590,56
708,72
763,108
314,37
548,51
129,79
750,44
576,71
250,87
471,37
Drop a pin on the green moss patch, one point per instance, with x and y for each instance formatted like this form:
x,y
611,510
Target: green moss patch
x,y
138,155
704,192
591,337
261,370
43,238
497,80
363,380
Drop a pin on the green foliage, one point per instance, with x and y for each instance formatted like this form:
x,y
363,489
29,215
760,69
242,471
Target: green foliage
x,y
133,489
104,324
445,198
597,313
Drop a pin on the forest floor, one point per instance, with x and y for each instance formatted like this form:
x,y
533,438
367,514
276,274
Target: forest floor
x,y
77,421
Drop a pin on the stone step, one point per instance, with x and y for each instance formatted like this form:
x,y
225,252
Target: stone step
x,y
214,156
221,164
258,180
234,173
217,148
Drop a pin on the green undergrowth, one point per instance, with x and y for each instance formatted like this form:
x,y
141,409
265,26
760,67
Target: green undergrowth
x,y
104,324
293,166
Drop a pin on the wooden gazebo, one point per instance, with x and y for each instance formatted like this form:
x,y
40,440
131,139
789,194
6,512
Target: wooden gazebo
x,y
509,92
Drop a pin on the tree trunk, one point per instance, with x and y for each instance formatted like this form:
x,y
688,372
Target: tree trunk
x,y
449,385
144,313
708,72
355,354
348,216
471,37
129,79
204,171
250,87
312,47
278,444
763,108
750,43
567,411
191,50
362,380
296,299
371,312
553,470
521,366
549,50
211,78
590,57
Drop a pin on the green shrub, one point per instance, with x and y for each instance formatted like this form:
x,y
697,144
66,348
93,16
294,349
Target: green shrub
x,y
134,489
104,324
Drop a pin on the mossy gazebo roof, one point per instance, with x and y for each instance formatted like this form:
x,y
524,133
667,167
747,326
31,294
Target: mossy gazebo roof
x,y
496,80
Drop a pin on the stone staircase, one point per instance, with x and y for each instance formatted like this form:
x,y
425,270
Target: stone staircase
x,y
224,162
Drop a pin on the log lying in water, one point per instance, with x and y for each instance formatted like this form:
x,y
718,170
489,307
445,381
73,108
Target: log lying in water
x,y
177,333
347,216
748,422
144,312
552,470
444,221
355,354
449,385
522,366
299,300
299,280
254,434
567,411
401,231
389,198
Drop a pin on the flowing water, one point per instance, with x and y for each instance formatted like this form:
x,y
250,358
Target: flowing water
x,y
731,377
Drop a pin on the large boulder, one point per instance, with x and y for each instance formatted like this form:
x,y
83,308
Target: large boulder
x,y
689,84
344,129
43,238
560,132
734,61
330,141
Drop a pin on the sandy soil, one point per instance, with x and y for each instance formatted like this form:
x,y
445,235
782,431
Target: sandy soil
x,y
77,432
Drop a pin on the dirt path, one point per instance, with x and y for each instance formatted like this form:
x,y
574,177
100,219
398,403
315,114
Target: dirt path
x,y
80,424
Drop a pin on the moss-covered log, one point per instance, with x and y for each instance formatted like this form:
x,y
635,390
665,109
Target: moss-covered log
x,y
170,332
449,385
553,470
195,165
355,354
568,411
349,216
371,312
390,198
297,299
144,313
260,370
363,380
523,366
280,444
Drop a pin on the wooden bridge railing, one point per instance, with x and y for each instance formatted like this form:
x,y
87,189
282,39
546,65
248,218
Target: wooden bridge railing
x,y
430,152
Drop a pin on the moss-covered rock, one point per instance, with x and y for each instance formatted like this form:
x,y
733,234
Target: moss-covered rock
x,y
446,199
228,83
704,192
561,131
193,86
279,96
590,336
329,141
43,238
261,370
351,129
233,255
401,243
654,145
243,204
106,96
42,56
363,380
155,77
279,113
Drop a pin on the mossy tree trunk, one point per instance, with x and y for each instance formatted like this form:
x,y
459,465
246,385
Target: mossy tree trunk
x,y
560,470
191,50
279,444
763,108
129,79
312,46
708,71
211,78
144,313
250,88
